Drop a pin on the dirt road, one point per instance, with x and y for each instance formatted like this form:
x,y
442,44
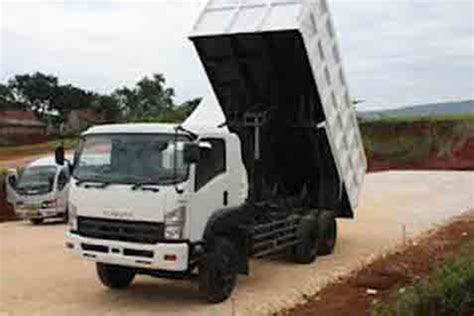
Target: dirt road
x,y
39,276
19,162
22,160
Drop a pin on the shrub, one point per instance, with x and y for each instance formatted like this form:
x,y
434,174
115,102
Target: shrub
x,y
450,291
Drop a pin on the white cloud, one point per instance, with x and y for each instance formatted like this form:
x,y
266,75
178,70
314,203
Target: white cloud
x,y
395,52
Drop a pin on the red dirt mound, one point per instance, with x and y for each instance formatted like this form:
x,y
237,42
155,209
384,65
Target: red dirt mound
x,y
377,281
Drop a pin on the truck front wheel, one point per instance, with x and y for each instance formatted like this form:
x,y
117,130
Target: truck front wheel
x,y
218,271
114,277
327,227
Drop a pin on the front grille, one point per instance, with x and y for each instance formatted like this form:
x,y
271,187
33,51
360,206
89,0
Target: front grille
x,y
131,231
96,248
138,253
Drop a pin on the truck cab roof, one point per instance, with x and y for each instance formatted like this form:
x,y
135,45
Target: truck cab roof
x,y
132,128
154,128
45,161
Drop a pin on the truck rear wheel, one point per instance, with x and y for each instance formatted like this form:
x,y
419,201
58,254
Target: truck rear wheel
x,y
114,277
327,227
306,250
218,271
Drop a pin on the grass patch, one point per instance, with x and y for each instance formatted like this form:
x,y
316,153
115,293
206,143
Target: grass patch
x,y
414,142
449,291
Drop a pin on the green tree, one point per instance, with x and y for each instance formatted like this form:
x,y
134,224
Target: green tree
x,y
35,91
127,100
149,99
153,95
67,97
189,106
109,106
6,93
7,99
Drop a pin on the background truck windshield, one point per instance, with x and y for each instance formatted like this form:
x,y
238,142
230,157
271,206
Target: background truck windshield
x,y
131,159
39,179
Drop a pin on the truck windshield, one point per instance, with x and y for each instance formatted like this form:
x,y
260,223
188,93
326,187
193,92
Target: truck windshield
x,y
131,159
39,179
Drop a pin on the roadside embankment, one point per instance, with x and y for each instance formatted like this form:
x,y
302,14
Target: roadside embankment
x,y
419,145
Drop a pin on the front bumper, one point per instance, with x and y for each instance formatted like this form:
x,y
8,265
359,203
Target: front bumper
x,y
29,213
160,256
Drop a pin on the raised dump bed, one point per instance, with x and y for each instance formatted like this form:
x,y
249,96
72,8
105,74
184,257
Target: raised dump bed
x,y
276,70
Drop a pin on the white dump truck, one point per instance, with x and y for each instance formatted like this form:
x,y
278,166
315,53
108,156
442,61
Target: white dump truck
x,y
204,197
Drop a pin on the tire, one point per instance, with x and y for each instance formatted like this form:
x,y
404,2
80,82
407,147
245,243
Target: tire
x,y
306,250
36,221
327,227
114,277
218,271
66,216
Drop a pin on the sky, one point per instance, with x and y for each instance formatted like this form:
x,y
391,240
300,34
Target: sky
x,y
395,52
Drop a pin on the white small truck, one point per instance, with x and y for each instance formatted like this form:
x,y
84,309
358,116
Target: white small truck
x,y
205,197
40,191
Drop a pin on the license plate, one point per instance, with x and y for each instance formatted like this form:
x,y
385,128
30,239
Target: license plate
x,y
33,207
32,210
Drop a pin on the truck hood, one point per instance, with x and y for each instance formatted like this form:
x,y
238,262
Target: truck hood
x,y
120,202
36,199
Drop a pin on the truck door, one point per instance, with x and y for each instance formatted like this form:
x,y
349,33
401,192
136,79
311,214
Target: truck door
x,y
10,183
210,187
63,189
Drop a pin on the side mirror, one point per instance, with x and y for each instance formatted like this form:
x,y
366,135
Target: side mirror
x,y
12,178
191,152
59,155
11,182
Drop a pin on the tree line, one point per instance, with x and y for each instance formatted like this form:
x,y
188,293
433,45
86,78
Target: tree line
x,y
149,100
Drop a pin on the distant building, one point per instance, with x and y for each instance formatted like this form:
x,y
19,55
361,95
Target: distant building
x,y
79,120
18,127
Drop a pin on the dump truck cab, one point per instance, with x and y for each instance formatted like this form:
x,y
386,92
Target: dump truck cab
x,y
141,199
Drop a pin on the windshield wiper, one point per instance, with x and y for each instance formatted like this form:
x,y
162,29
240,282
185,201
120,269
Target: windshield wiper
x,y
146,186
193,135
93,183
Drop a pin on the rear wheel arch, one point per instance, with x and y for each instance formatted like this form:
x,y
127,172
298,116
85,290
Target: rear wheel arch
x,y
226,223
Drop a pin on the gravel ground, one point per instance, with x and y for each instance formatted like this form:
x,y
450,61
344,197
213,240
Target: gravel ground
x,y
39,276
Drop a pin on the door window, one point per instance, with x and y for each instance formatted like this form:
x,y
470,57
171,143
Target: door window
x,y
212,162
63,179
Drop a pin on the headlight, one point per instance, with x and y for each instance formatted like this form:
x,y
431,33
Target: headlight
x,y
176,216
173,232
174,223
48,204
72,215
